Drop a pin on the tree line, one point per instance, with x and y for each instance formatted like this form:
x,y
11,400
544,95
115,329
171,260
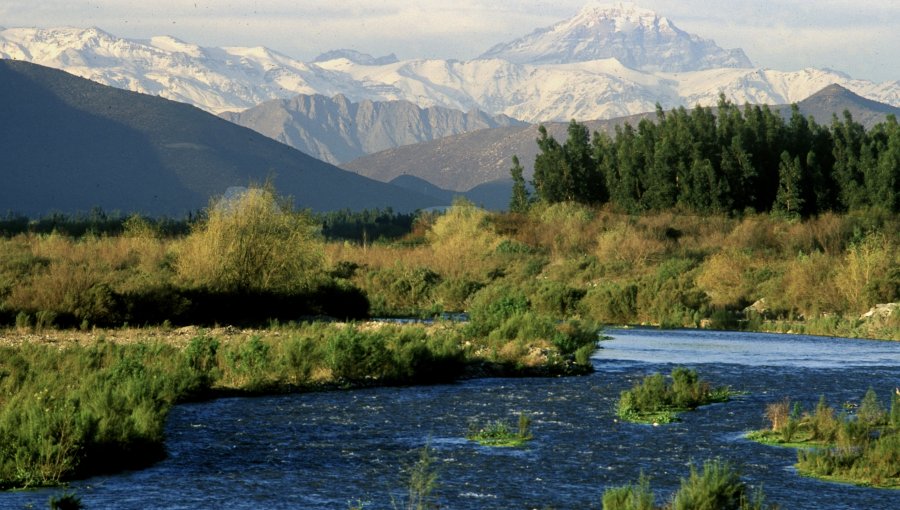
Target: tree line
x,y
721,161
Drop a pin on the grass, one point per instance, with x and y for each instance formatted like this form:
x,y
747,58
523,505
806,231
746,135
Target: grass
x,y
658,400
501,434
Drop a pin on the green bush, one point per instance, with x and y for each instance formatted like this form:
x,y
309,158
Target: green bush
x,y
454,293
556,299
107,413
630,497
611,303
657,400
718,487
400,290
573,335
253,242
494,305
500,433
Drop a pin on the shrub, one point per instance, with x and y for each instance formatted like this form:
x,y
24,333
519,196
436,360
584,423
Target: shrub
x,y
630,497
611,303
494,305
778,414
462,241
871,413
572,335
65,501
717,486
454,294
252,242
861,279
423,480
401,290
556,299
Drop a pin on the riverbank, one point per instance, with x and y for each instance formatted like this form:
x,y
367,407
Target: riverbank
x,y
74,404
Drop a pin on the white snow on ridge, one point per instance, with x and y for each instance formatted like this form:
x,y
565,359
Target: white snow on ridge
x,y
236,78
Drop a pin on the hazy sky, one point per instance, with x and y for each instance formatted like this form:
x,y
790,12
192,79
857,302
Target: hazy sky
x,y
859,37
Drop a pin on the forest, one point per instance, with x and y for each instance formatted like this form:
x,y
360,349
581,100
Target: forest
x,y
723,161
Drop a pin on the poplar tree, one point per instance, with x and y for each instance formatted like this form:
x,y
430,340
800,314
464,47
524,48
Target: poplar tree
x,y
520,199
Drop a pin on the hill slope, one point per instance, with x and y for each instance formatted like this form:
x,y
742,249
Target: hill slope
x,y
338,130
68,144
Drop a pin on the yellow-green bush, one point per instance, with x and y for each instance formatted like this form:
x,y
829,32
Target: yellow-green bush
x,y
253,242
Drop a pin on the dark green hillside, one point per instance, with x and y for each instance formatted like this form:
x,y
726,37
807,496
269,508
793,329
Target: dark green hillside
x,y
68,144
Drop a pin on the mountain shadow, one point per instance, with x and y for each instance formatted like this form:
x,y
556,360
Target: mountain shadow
x,y
69,145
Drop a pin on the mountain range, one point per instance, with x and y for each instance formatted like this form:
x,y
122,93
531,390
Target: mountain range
x,y
68,145
337,130
605,62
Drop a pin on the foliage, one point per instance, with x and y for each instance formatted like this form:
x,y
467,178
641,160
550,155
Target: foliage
x,y
636,496
367,226
100,406
861,447
718,486
423,480
252,242
500,434
520,199
658,400
725,161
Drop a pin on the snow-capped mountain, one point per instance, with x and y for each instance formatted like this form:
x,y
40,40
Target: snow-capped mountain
x,y
638,38
233,79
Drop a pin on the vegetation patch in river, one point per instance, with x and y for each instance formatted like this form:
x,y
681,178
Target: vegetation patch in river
x,y
859,445
501,434
657,399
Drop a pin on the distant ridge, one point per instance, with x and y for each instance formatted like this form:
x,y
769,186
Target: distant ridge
x,y
68,145
337,130
834,99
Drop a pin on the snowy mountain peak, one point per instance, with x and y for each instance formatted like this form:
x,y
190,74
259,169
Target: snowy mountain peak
x,y
626,16
639,38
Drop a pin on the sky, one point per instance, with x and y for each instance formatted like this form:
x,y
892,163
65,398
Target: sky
x,y
858,37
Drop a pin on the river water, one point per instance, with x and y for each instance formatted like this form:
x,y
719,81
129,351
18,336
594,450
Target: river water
x,y
333,449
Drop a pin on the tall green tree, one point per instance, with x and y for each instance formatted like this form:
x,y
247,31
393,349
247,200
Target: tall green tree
x,y
587,184
848,142
520,199
789,200
552,175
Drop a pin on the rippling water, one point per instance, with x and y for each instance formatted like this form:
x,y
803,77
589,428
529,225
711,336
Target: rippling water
x,y
327,450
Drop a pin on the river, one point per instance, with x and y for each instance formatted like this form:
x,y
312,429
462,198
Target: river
x,y
333,449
